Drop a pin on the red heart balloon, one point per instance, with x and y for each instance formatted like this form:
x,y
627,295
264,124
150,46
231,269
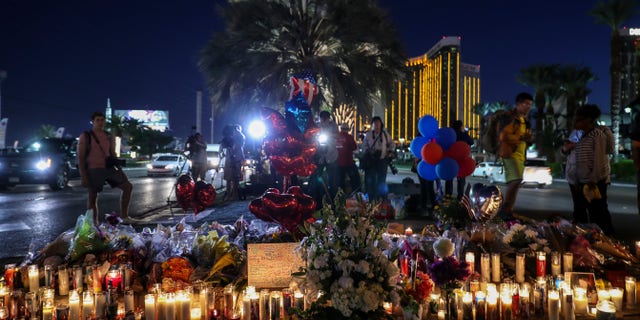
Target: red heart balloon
x,y
275,119
204,195
184,191
311,132
295,190
309,151
306,170
258,210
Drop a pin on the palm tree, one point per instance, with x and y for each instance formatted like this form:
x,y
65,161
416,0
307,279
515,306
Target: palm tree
x,y
574,80
46,131
613,14
349,46
484,110
541,78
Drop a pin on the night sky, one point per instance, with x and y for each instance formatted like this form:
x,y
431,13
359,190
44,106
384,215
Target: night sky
x,y
65,58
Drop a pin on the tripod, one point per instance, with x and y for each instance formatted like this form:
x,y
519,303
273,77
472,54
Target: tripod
x,y
175,184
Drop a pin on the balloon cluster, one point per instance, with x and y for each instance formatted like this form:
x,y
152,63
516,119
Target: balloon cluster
x,y
197,195
442,156
290,145
289,209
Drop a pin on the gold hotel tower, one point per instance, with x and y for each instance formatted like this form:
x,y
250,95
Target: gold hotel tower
x,y
437,83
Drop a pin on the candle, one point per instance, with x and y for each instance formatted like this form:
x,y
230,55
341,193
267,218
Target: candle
x,y
9,274
525,301
47,313
555,263
246,307
492,306
78,281
567,262
470,258
539,294
495,267
387,307
63,281
505,306
74,305
128,300
34,278
62,312
298,300
541,264
255,305
568,308
183,305
48,276
485,267
616,297
480,305
520,267
603,295
408,232
161,306
196,313
150,307
101,304
554,305
96,278
113,278
229,299
630,288
605,310
467,306
264,304
441,315
275,300
580,303
87,304
170,307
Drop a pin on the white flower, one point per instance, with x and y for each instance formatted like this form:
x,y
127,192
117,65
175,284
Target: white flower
x,y
345,282
443,247
363,267
530,233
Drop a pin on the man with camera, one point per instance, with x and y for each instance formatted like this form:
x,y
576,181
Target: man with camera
x,y
379,150
197,148
321,182
96,155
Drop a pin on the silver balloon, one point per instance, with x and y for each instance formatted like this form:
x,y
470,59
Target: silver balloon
x,y
485,201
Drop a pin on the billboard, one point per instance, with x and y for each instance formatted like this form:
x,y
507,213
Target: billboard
x,y
154,119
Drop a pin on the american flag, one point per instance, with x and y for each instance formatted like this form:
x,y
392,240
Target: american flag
x,y
306,85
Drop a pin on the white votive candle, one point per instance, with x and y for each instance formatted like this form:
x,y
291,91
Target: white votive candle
x,y
87,304
605,310
485,267
554,305
616,297
150,307
567,262
467,306
555,264
74,305
580,300
183,305
520,267
34,278
470,258
630,288
495,267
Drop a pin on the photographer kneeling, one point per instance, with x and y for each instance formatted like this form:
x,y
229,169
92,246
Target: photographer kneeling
x,y
378,148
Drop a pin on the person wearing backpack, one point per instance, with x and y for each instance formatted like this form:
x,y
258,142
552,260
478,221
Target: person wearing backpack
x,y
94,147
461,135
514,138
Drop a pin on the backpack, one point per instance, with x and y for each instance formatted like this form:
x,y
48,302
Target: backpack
x,y
491,135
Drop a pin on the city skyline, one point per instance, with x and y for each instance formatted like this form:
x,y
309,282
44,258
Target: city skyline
x,y
63,60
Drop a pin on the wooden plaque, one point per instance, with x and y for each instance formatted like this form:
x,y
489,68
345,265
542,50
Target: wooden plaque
x,y
270,265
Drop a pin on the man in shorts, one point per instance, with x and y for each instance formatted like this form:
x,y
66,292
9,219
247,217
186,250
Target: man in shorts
x,y
516,135
94,147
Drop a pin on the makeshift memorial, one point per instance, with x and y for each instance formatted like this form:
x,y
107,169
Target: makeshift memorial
x,y
196,195
448,274
523,238
346,261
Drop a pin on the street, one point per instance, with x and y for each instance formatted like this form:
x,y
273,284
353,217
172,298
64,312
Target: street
x,y
32,215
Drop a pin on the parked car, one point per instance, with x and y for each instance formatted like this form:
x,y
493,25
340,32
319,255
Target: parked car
x,y
169,164
483,169
49,161
536,172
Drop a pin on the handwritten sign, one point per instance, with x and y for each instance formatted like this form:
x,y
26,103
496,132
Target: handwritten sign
x,y
270,265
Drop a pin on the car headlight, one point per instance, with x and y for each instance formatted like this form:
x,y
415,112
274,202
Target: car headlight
x,y
149,166
214,161
170,166
44,164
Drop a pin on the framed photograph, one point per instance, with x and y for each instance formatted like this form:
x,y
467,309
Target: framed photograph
x,y
584,280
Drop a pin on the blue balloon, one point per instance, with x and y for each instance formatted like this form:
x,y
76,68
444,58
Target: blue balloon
x,y
447,168
416,146
428,126
427,171
446,137
298,110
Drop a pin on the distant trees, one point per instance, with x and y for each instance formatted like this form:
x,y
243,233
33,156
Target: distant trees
x,y
139,137
350,47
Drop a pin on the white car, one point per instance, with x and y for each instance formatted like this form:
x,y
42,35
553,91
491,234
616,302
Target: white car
x,y
536,172
484,169
169,164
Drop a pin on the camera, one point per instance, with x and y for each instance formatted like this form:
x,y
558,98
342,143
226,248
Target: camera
x,y
392,166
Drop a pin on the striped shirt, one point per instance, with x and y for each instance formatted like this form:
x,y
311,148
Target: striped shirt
x,y
592,157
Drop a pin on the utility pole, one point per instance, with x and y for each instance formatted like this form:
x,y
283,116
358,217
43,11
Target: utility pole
x,y
199,111
3,75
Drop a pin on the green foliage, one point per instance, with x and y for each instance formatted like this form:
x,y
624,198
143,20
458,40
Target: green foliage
x,y
623,171
452,213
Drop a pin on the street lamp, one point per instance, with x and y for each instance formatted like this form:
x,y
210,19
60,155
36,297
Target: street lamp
x,y
3,75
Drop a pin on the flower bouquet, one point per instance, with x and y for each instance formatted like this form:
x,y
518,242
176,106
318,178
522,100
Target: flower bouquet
x,y
448,273
347,266
523,238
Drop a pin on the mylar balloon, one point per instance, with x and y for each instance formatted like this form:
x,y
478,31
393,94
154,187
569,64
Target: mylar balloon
x,y
431,153
458,150
428,126
427,171
274,119
447,168
485,201
298,109
203,197
446,137
466,167
416,146
184,191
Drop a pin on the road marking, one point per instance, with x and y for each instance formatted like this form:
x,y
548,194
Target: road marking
x,y
19,226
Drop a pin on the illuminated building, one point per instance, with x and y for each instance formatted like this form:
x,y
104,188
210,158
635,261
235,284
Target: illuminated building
x,y
630,65
437,83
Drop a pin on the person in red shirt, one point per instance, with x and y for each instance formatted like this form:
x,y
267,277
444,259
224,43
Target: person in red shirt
x,y
346,145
